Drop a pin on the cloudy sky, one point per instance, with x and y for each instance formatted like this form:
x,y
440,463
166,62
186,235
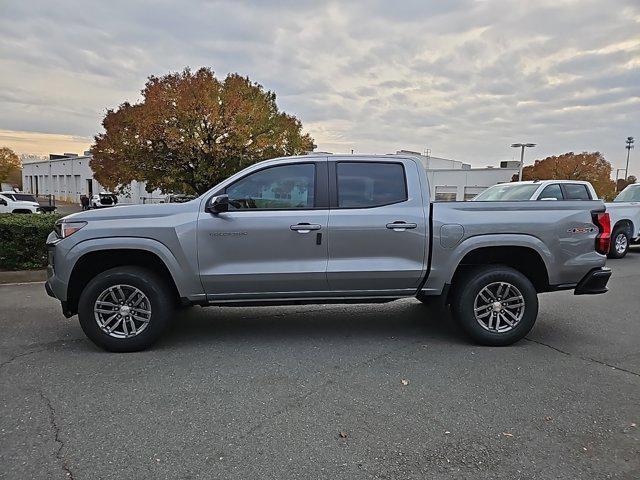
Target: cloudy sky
x,y
462,78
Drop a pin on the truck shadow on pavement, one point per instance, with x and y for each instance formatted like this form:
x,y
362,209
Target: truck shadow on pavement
x,y
402,319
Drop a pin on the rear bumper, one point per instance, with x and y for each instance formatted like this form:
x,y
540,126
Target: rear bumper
x,y
594,282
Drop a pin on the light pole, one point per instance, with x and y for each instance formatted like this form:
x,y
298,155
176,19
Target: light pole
x,y
628,147
522,146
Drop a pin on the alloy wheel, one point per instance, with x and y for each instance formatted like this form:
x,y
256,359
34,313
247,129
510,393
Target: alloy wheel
x,y
122,311
499,307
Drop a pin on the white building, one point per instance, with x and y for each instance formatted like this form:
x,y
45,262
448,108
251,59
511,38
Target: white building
x,y
68,176
452,180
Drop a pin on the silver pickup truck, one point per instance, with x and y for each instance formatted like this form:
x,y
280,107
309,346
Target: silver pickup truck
x,y
324,229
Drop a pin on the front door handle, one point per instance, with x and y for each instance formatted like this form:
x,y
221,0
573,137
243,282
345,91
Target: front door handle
x,y
401,226
305,227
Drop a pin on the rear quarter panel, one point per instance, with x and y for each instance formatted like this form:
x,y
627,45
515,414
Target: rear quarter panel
x,y
562,233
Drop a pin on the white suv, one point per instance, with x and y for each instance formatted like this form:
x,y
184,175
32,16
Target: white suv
x,y
16,202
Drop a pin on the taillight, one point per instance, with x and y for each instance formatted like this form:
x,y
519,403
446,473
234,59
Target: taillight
x,y
603,239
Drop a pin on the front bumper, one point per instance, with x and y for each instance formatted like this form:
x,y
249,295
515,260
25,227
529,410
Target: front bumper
x,y
594,282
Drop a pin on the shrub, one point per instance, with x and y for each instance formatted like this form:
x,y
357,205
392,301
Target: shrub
x,y
22,240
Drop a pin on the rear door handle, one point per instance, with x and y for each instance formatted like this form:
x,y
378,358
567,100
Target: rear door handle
x,y
401,226
305,227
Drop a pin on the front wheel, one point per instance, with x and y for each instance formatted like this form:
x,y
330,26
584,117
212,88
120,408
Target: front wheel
x,y
495,305
619,243
125,309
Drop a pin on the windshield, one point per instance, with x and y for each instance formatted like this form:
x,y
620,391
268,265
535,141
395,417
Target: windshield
x,y
23,197
507,192
629,194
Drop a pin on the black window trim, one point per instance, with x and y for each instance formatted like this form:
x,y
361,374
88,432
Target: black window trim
x,y
320,195
333,183
566,194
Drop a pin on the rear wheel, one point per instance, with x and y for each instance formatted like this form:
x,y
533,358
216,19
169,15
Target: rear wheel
x,y
125,309
619,242
495,305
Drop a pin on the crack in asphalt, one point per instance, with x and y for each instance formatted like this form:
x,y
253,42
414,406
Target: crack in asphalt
x,y
299,400
586,359
56,435
47,346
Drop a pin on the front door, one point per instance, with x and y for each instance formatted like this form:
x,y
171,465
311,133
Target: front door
x,y
272,241
377,227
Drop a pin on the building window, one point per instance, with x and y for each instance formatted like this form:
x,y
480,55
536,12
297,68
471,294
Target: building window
x,y
445,193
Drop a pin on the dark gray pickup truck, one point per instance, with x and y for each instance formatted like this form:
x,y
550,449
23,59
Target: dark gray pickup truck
x,y
324,229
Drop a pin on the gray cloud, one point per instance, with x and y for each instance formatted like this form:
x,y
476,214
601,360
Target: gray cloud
x,y
464,78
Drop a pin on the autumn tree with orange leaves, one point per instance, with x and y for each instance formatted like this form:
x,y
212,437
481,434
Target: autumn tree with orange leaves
x,y
192,130
588,166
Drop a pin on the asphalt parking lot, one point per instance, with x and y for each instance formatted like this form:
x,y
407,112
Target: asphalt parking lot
x,y
362,391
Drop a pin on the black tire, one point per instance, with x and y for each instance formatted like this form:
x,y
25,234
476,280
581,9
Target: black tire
x,y
155,288
469,286
619,231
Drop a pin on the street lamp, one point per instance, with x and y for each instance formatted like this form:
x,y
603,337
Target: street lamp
x,y
523,146
628,147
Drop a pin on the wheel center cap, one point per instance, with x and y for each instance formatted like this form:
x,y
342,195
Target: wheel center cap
x,y
125,310
497,306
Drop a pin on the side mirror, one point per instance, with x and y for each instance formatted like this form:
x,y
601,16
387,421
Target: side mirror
x,y
218,204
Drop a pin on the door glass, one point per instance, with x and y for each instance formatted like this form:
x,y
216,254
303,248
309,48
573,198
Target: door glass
x,y
370,184
576,191
283,187
551,191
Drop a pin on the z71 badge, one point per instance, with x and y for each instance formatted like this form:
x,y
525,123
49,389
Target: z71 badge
x,y
581,230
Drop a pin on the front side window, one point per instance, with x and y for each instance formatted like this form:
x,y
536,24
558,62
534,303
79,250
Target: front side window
x,y
370,184
282,187
577,191
551,192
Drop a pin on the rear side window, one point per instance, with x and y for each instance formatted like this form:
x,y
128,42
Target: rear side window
x,y
370,184
551,191
576,191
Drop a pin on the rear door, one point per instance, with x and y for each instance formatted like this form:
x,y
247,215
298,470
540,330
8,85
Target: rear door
x,y
271,242
377,226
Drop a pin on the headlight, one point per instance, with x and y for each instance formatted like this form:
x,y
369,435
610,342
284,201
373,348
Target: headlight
x,y
65,229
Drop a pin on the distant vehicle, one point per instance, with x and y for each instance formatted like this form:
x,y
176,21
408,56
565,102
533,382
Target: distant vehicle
x,y
318,229
625,219
17,202
104,199
538,190
179,198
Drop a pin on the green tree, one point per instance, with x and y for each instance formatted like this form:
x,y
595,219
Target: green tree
x,y
191,131
588,166
10,166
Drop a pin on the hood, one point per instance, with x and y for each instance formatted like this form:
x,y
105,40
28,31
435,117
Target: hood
x,y
134,211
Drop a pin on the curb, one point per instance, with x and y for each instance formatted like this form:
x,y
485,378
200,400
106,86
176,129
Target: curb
x,y
23,276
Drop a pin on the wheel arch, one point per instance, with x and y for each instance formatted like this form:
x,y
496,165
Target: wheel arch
x,y
524,259
627,223
91,257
